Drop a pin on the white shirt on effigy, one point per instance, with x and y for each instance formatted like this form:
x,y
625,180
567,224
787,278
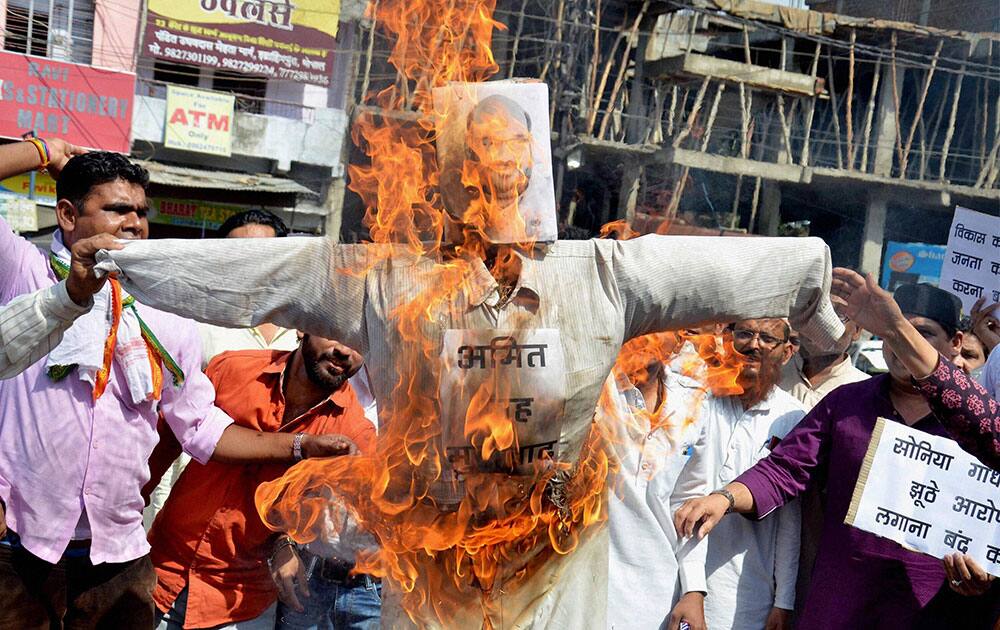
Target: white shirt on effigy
x,y
751,566
597,293
659,470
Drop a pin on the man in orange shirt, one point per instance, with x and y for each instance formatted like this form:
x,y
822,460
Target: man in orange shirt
x,y
209,546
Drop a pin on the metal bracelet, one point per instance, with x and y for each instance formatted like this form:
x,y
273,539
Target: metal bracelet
x,y
297,447
729,496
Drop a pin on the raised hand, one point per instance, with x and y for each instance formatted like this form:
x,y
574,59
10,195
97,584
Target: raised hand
x,y
862,300
985,323
60,152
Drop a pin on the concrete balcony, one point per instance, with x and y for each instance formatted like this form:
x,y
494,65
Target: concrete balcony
x,y
283,133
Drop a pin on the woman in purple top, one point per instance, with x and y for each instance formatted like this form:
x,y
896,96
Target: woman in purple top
x,y
859,579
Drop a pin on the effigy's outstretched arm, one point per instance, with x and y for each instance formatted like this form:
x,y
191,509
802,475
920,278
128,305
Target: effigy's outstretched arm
x,y
672,282
310,284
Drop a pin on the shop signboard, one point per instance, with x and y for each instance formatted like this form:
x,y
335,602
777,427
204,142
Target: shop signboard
x,y
910,263
89,107
276,39
45,186
199,120
190,213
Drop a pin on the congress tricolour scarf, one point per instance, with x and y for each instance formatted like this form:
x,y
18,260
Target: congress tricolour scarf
x,y
112,331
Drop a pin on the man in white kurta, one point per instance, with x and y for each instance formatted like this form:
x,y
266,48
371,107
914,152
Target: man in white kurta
x,y
751,566
663,454
595,294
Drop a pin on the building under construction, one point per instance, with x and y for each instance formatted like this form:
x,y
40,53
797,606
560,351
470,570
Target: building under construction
x,y
741,116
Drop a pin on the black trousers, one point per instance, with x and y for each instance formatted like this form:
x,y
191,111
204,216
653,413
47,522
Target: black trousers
x,y
73,593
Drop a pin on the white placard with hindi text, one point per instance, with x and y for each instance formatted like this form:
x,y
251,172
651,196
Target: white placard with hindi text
x,y
972,264
929,495
502,383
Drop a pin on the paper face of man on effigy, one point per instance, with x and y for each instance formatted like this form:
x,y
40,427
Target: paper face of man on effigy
x,y
495,159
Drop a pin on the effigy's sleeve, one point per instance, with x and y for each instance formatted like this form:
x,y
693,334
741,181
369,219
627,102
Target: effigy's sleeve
x,y
310,284
673,282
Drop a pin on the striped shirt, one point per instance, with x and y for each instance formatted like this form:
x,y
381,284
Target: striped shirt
x,y
31,325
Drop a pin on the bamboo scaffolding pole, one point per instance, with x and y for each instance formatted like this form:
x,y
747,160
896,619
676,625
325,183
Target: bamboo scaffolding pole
x,y
746,45
952,117
520,30
920,109
596,108
895,102
369,52
678,190
986,106
654,134
785,129
834,108
989,166
620,80
869,115
557,47
744,122
923,150
849,102
810,115
595,57
673,110
711,116
684,133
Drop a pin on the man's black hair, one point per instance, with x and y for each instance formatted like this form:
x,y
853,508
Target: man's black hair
x,y
253,217
83,172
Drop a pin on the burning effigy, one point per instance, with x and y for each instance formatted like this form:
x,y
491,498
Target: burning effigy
x,y
488,341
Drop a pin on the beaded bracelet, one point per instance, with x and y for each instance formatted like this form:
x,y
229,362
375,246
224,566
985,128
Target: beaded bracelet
x,y
43,153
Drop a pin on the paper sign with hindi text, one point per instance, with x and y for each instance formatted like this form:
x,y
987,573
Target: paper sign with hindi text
x,y
929,495
502,396
972,263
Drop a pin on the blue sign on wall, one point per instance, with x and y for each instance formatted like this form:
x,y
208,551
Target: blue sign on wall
x,y
909,263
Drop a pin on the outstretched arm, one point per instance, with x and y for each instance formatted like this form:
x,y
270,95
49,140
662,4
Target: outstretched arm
x,y
310,284
34,323
964,407
672,282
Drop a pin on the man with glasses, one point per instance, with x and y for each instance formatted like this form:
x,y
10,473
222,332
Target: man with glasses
x,y
859,580
751,567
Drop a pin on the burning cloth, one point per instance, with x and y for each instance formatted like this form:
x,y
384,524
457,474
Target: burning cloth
x,y
487,343
549,550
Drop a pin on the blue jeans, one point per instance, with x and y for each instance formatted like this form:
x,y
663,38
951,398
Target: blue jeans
x,y
335,606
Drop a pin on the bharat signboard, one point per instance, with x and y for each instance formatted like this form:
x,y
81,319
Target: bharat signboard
x,y
87,106
927,494
198,120
277,39
188,213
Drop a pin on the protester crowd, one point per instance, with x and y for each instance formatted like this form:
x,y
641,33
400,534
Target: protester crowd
x,y
104,401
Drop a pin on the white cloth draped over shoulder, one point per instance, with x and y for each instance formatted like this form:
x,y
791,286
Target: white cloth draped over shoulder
x,y
597,293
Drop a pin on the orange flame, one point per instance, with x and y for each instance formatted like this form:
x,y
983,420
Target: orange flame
x,y
445,541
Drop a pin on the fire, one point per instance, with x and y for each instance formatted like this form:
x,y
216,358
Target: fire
x,y
447,539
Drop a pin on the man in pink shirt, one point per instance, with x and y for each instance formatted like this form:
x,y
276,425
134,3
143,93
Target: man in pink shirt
x,y
77,428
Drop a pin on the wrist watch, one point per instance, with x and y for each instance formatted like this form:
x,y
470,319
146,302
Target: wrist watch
x,y
297,447
729,496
